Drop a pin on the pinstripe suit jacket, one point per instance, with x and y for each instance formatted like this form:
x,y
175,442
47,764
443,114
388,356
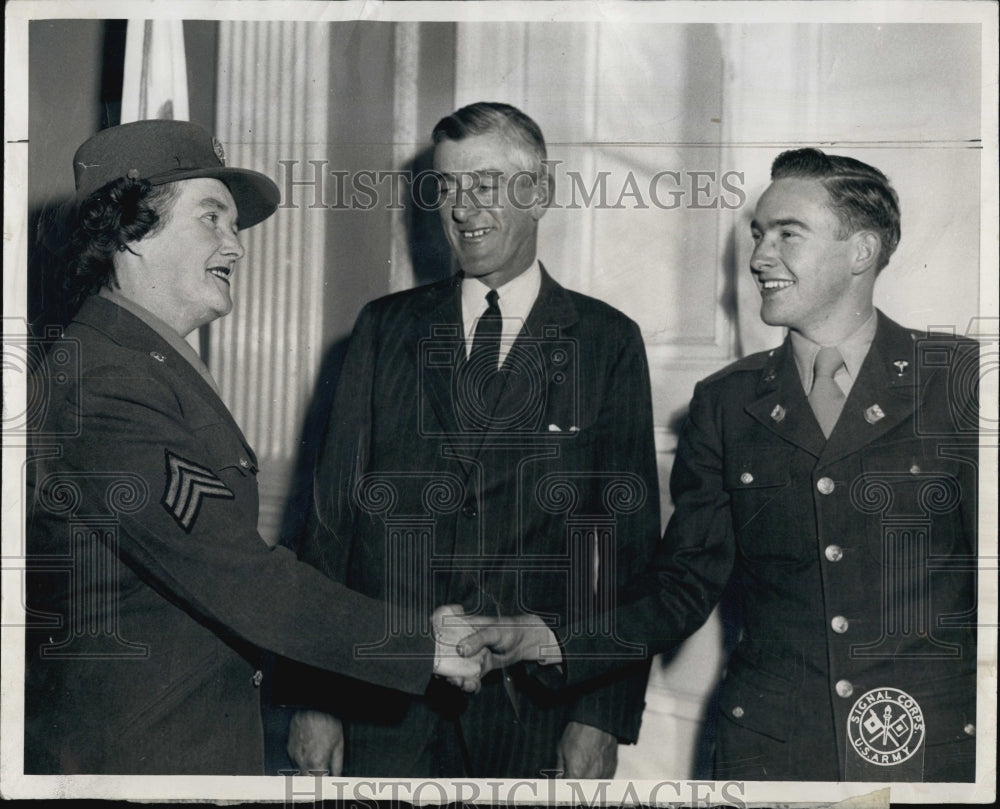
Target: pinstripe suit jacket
x,y
425,494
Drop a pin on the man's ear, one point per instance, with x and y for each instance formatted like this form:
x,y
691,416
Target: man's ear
x,y
545,192
866,246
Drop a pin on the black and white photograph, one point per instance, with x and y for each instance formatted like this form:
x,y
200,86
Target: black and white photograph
x,y
501,402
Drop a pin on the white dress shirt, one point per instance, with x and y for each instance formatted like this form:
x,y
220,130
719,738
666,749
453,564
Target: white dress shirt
x,y
515,300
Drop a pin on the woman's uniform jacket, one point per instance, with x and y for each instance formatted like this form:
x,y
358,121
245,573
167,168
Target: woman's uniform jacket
x,y
150,592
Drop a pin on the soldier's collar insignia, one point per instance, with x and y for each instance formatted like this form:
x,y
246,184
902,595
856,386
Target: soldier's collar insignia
x,y
874,414
901,366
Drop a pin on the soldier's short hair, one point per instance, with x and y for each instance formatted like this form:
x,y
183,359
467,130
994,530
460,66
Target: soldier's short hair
x,y
861,196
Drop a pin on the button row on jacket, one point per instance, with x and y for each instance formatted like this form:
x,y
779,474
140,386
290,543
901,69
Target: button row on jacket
x,y
833,553
825,486
844,688
839,624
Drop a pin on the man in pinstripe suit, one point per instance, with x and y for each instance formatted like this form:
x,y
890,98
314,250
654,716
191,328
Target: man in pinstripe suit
x,y
490,445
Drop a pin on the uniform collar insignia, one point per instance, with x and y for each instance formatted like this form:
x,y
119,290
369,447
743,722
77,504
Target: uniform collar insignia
x,y
874,414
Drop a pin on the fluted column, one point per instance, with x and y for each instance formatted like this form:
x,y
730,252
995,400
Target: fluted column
x,y
273,96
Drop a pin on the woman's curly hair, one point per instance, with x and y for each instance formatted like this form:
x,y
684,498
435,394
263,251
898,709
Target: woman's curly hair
x,y
121,212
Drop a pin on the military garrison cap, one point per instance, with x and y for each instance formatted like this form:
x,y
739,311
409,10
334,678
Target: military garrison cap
x,y
164,151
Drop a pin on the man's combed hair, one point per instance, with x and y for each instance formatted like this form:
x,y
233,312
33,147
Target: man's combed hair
x,y
860,195
115,215
485,117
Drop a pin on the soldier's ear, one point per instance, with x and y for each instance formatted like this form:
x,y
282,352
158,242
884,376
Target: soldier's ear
x,y
866,246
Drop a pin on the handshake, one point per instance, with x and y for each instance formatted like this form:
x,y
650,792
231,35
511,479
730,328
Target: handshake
x,y
467,647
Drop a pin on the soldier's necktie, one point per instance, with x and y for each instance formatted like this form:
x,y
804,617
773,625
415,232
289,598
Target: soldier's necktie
x,y
826,397
486,341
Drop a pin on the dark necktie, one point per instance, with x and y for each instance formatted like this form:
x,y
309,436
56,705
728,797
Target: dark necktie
x,y
486,341
826,397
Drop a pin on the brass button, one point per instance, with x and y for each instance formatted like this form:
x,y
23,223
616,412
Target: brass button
x,y
833,553
839,624
244,463
746,477
970,729
844,688
825,485
738,712
915,469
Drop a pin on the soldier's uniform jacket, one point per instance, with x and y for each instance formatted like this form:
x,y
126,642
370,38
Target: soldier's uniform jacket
x,y
150,592
852,558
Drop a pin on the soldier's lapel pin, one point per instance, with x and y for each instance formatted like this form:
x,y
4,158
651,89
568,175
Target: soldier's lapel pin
x,y
901,366
778,414
873,414
156,355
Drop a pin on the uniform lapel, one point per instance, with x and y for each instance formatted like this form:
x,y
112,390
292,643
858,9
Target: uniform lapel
x,y
129,331
781,405
882,397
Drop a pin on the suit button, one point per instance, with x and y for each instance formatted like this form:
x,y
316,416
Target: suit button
x,y
970,729
746,477
258,678
825,485
915,469
833,553
738,712
839,624
470,510
844,688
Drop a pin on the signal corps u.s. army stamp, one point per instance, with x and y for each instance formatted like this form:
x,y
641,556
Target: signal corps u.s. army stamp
x,y
886,726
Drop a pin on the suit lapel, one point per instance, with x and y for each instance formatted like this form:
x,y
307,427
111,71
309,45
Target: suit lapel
x,y
781,405
882,397
437,347
535,353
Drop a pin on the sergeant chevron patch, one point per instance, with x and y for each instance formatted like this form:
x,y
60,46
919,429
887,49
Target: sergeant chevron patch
x,y
188,484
